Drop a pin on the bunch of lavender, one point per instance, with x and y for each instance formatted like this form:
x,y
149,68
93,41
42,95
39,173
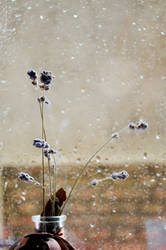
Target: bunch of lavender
x,y
57,199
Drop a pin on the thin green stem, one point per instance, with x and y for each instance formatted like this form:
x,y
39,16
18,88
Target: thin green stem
x,y
82,171
55,176
49,173
43,168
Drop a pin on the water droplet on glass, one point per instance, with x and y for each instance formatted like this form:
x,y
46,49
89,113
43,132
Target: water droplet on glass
x,y
145,155
75,149
83,90
75,16
78,160
152,180
98,158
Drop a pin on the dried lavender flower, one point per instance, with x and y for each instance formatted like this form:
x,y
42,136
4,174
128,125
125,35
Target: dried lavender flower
x,y
142,125
43,99
40,143
51,151
46,77
94,182
114,176
123,175
25,177
32,74
139,125
132,125
115,135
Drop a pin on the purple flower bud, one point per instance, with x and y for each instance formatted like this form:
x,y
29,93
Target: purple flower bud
x,y
114,176
94,182
40,143
142,125
123,175
43,99
51,151
115,135
25,177
46,77
32,74
132,125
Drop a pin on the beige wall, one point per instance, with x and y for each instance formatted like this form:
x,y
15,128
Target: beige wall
x,y
109,60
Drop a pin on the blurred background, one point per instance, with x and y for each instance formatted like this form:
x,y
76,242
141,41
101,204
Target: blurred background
x,y
108,58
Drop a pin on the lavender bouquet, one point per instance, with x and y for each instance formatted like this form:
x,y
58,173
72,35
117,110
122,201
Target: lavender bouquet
x,y
57,200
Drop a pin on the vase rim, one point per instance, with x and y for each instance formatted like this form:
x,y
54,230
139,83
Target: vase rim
x,y
38,216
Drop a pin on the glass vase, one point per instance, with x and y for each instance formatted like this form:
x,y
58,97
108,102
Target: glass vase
x,y
49,224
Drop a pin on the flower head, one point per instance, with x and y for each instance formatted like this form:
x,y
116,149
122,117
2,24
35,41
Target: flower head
x,y
32,74
139,125
142,125
43,99
40,143
25,177
46,77
123,175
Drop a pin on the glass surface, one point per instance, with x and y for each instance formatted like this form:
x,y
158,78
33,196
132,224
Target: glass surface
x,y
108,58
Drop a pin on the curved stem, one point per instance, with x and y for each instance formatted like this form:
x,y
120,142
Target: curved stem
x,y
83,170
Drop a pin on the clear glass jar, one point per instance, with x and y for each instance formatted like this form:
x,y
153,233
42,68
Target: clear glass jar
x,y
49,224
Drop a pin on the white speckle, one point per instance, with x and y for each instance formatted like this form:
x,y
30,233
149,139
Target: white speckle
x,y
103,9
17,15
73,57
23,198
29,8
156,166
41,17
62,111
83,90
141,77
64,11
157,137
123,83
133,23
139,29
162,33
3,81
114,210
81,44
92,225
158,174
152,180
99,26
75,150
75,16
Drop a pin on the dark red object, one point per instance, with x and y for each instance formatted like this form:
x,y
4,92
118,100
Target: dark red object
x,y
42,241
